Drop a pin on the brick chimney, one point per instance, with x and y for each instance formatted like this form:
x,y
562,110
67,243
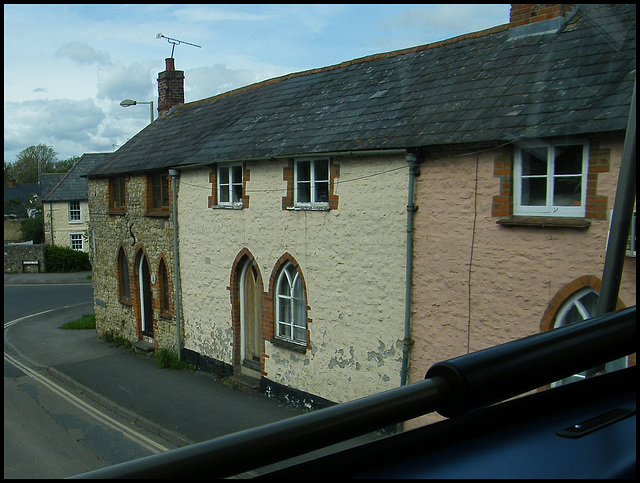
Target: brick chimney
x,y
528,13
170,88
12,183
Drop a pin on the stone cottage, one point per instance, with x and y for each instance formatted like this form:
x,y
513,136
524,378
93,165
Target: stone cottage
x,y
324,220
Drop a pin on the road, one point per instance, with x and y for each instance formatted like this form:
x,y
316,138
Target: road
x,y
50,429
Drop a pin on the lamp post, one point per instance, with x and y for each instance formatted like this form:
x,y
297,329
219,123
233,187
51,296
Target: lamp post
x,y
131,102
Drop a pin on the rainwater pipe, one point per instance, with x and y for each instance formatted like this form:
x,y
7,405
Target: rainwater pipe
x,y
407,342
174,173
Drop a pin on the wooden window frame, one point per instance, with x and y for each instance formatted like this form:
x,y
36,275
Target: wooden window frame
x,y
117,197
158,188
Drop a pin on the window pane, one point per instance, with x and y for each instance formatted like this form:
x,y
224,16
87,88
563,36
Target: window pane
x,y
304,192
534,192
237,174
534,161
567,191
304,170
568,159
223,174
322,192
590,303
321,170
224,194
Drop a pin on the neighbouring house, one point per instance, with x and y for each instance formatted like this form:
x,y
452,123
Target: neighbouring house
x,y
66,208
340,229
21,201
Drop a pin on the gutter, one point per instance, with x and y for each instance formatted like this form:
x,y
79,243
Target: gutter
x,y
407,342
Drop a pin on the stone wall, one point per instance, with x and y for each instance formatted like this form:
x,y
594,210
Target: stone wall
x,y
137,234
14,255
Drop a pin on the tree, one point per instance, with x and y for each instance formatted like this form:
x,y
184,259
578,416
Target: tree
x,y
33,229
65,165
31,162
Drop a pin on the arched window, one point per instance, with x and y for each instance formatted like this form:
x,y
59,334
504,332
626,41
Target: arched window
x,y
124,287
291,306
580,306
163,278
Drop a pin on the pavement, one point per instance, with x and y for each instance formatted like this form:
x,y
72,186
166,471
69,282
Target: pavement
x,y
183,407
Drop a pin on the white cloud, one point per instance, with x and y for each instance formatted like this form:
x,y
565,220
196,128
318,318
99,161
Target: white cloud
x,y
82,53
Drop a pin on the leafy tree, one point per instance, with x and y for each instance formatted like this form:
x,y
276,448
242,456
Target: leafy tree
x,y
64,165
32,161
33,229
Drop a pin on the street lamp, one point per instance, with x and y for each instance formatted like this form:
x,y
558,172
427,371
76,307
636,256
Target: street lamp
x,y
131,102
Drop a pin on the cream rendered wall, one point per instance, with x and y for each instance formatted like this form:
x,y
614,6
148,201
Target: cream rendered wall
x,y
352,260
466,301
57,213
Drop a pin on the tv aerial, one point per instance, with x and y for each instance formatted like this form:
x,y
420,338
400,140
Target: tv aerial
x,y
175,42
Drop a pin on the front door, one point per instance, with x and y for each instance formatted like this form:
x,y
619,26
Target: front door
x,y
146,302
250,315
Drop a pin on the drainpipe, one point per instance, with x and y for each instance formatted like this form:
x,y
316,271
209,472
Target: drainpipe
x,y
174,173
411,209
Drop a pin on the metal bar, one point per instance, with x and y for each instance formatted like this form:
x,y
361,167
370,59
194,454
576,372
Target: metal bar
x,y
507,370
228,455
453,386
621,219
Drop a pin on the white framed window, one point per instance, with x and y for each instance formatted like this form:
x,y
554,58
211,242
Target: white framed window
x,y
312,183
550,179
230,185
75,215
580,306
291,307
76,241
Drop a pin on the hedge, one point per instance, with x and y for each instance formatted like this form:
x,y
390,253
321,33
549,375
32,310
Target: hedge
x,y
64,259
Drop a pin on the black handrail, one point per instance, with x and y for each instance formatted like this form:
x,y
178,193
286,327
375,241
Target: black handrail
x,y
451,387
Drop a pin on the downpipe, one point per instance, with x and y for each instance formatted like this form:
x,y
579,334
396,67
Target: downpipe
x,y
407,342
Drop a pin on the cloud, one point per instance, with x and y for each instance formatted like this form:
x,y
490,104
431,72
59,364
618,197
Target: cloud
x,y
51,122
82,53
137,81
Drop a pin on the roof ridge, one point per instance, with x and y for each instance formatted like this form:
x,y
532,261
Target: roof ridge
x,y
359,60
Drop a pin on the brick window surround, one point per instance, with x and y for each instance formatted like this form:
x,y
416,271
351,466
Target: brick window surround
x,y
288,175
157,180
563,295
595,206
234,294
122,262
112,185
164,291
213,179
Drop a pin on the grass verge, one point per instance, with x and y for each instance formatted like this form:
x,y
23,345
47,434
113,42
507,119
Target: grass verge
x,y
86,322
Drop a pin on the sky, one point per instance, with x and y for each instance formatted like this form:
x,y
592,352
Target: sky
x,y
68,67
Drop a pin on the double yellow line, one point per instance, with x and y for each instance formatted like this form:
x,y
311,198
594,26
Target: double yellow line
x,y
79,403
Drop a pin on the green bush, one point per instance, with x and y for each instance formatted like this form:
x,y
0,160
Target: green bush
x,y
64,259
33,229
167,359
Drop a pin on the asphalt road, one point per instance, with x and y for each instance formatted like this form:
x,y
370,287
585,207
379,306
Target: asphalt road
x,y
51,430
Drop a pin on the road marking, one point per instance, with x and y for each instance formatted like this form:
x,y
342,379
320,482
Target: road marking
x,y
80,404
15,321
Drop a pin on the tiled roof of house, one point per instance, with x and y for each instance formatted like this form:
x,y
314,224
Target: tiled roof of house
x,y
73,186
481,87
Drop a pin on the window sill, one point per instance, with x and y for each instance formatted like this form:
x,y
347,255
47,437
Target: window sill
x,y
227,207
118,212
125,301
545,222
158,214
289,345
309,208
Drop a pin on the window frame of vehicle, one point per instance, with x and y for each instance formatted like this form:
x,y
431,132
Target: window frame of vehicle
x,y
230,184
75,212
581,306
291,306
556,173
311,189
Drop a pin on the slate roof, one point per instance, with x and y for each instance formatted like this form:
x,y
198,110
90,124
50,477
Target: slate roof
x,y
73,186
480,87
17,198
